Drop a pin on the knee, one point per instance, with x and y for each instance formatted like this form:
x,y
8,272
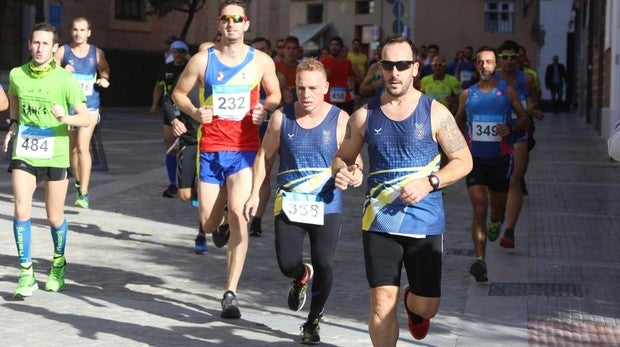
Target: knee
x,y
55,219
184,194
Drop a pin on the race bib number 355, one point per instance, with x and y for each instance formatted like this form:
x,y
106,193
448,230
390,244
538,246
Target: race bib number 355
x,y
303,208
231,101
35,142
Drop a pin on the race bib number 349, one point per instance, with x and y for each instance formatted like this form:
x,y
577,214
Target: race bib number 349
x,y
35,142
231,101
303,208
484,128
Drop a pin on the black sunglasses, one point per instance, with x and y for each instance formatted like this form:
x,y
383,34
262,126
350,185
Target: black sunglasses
x,y
401,65
179,51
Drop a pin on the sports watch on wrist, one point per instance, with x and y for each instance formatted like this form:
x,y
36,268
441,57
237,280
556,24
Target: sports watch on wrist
x,y
433,179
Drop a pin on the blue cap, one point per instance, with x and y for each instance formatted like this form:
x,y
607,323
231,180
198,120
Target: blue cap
x,y
180,45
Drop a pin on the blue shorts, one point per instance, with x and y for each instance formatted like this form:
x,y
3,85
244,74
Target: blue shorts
x,y
215,167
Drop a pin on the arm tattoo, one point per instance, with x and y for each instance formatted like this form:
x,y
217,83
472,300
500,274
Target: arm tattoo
x,y
451,138
347,134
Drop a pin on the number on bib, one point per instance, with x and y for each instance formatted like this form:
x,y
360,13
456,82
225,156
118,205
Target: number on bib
x,y
34,142
231,101
484,128
337,94
303,208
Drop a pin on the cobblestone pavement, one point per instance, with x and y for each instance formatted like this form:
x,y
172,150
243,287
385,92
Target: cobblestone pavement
x,y
132,278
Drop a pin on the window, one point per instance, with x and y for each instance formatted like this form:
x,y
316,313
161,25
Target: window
x,y
133,10
364,7
499,16
315,13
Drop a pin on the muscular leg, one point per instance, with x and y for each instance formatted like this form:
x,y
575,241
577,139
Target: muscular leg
x,y
478,195
515,194
382,322
84,162
55,194
239,185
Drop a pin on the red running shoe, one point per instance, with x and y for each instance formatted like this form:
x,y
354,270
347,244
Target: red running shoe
x,y
418,331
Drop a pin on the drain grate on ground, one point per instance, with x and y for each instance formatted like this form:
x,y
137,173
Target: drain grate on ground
x,y
542,289
459,251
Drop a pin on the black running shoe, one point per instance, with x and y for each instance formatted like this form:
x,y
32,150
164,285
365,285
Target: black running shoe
x,y
230,305
255,227
221,235
297,291
170,192
310,332
479,270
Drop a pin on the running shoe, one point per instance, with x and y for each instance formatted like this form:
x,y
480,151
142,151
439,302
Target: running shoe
x,y
508,239
26,285
82,200
194,202
57,277
310,332
230,306
493,230
200,245
297,291
221,235
479,270
417,329
255,228
170,192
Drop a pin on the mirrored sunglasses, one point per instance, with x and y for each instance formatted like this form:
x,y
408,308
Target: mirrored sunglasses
x,y
236,18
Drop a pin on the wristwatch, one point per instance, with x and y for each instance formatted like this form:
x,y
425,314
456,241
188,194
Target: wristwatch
x,y
433,179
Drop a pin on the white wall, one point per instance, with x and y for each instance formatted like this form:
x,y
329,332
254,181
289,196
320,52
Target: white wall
x,y
555,16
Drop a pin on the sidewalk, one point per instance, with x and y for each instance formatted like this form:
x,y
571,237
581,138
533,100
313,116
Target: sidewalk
x,y
133,280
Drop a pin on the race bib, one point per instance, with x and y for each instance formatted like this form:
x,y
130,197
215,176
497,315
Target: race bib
x,y
337,94
465,76
35,142
87,82
231,101
484,127
303,208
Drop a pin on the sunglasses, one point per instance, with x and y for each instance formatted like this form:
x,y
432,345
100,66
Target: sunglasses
x,y
438,64
509,56
236,18
401,65
179,51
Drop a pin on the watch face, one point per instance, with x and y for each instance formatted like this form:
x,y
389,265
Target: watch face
x,y
434,181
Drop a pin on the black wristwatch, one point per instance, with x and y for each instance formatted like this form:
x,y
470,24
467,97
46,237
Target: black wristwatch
x,y
434,181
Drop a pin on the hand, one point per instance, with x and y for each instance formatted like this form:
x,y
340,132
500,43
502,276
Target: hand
x,y
258,114
503,130
58,111
537,113
415,191
153,109
70,68
348,176
103,82
9,136
250,207
178,127
204,114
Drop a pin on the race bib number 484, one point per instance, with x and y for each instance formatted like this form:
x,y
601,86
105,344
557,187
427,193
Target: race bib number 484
x,y
303,208
35,142
231,101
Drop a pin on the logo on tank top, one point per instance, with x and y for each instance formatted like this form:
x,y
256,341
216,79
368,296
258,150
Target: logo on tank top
x,y
378,131
290,136
499,93
220,76
419,130
326,136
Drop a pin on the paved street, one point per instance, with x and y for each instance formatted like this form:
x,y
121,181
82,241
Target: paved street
x,y
133,280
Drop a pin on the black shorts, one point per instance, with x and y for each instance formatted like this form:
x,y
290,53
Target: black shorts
x,y
187,166
385,254
41,173
493,173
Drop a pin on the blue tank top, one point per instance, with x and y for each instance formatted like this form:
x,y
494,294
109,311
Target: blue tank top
x,y
306,157
484,112
85,73
399,152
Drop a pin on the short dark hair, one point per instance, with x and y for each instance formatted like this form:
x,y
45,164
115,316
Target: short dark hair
x,y
508,45
392,39
433,46
241,3
262,39
338,39
485,49
45,26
